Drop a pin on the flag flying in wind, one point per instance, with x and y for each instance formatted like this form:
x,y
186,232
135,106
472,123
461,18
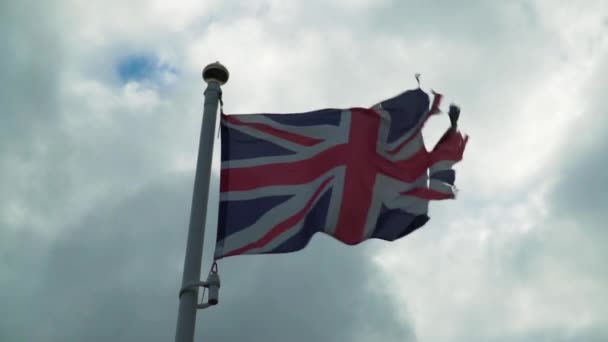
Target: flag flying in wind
x,y
354,174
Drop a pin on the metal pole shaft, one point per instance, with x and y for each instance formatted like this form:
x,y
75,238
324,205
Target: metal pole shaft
x,y
186,319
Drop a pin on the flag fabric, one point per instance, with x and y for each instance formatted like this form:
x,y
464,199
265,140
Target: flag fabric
x,y
352,173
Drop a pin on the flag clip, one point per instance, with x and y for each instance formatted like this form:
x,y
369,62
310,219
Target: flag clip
x,y
212,283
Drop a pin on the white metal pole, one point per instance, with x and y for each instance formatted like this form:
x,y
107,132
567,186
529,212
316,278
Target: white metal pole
x,y
215,75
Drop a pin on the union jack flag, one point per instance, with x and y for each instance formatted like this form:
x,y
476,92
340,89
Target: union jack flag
x,y
354,174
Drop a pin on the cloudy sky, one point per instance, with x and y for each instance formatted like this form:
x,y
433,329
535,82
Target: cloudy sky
x,y
101,105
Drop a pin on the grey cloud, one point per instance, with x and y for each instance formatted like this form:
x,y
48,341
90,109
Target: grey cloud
x,y
592,335
582,193
571,241
474,20
115,276
583,187
29,70
558,265
62,150
19,277
30,64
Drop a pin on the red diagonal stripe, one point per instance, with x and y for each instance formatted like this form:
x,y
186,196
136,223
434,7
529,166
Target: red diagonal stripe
x,y
289,136
407,170
283,226
451,146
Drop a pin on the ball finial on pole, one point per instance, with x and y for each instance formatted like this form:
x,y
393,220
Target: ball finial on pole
x,y
215,72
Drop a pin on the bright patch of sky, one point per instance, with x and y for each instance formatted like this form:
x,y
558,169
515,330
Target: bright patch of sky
x,y
144,68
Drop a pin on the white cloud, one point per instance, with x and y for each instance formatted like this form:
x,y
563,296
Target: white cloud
x,y
359,5
504,263
139,98
580,26
178,14
509,271
537,125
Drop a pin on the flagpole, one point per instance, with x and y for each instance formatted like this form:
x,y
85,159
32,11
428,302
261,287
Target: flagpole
x,y
214,75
